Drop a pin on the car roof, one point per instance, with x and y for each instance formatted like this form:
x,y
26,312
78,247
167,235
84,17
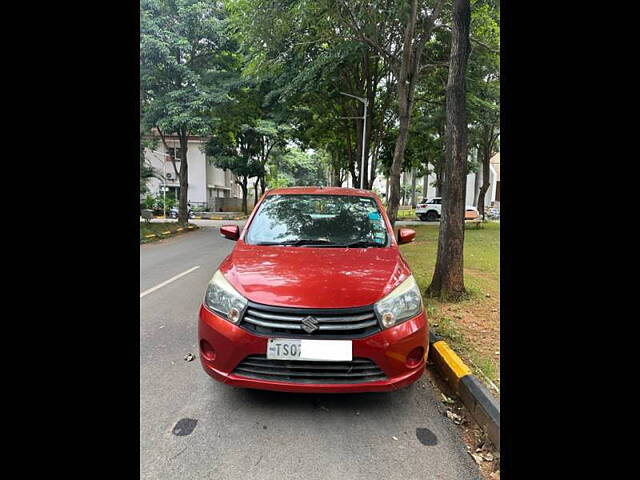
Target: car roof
x,y
322,191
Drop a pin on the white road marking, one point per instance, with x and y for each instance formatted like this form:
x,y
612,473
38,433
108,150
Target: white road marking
x,y
167,282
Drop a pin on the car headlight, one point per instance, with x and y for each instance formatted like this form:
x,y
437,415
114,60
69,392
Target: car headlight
x,y
222,298
403,303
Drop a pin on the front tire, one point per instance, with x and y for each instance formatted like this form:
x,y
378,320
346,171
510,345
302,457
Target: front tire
x,y
423,218
432,216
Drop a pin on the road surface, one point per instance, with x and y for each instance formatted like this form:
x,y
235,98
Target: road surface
x,y
192,427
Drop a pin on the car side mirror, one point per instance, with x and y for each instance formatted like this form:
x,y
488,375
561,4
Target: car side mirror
x,y
232,232
406,235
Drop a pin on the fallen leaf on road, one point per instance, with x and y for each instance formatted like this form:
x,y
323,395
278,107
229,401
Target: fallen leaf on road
x,y
189,356
495,474
395,438
455,418
487,457
446,399
477,458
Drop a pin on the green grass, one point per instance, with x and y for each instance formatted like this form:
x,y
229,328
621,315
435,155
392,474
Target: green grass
x,y
408,213
157,229
482,277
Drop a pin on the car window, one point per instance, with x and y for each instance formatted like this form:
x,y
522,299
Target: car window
x,y
330,219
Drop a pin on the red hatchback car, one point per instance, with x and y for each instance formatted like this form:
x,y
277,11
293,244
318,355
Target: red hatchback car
x,y
315,297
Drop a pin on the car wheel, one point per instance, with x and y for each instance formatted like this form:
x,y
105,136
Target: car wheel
x,y
432,216
422,218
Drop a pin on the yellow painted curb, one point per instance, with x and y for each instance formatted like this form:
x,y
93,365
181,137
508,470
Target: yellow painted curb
x,y
452,367
217,218
179,229
168,232
150,236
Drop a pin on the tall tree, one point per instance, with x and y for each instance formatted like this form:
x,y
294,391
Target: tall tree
x,y
484,89
184,52
407,29
307,51
448,277
237,150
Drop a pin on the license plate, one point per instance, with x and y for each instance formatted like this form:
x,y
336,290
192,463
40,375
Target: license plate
x,y
299,349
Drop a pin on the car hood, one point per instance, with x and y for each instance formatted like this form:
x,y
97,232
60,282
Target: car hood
x,y
310,277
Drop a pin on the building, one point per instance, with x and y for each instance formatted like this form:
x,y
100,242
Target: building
x,y
209,187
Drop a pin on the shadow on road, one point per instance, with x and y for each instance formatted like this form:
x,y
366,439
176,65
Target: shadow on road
x,y
336,402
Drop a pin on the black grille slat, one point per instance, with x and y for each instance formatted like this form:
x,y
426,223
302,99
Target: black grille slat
x,y
332,323
349,326
264,323
357,371
355,368
294,373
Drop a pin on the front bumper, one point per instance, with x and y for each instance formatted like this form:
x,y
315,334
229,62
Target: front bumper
x,y
388,349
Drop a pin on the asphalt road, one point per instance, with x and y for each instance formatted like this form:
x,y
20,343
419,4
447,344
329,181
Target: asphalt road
x,y
192,427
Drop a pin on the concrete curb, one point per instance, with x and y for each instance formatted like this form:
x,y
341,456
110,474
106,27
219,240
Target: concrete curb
x,y
483,406
169,232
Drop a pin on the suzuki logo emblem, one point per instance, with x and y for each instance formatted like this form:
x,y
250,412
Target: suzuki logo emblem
x,y
310,324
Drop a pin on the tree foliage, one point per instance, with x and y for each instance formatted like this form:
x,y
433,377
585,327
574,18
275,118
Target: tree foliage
x,y
186,67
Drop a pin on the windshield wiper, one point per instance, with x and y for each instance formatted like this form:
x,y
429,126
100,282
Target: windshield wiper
x,y
362,243
299,243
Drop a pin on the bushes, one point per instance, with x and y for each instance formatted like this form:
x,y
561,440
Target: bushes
x,y
156,203
149,202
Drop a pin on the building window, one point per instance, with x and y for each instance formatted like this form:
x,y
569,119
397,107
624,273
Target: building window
x,y
176,152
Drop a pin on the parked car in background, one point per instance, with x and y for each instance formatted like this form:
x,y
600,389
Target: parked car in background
x,y
431,210
315,297
493,213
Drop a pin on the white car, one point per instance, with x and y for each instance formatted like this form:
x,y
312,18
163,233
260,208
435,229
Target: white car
x,y
430,210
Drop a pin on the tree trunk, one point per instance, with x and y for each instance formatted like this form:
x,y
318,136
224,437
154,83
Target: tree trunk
x,y
425,185
413,188
486,157
263,186
448,278
255,196
243,186
183,209
386,191
336,175
398,156
476,185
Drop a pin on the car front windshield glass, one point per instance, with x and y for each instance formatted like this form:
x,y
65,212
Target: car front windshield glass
x,y
326,220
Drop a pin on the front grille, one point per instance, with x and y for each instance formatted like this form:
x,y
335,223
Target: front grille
x,y
288,322
358,370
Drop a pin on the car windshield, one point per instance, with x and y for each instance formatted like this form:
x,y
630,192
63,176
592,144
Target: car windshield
x,y
322,220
